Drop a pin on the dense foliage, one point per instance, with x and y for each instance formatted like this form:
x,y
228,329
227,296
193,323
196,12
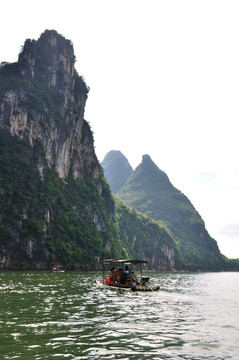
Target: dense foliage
x,y
68,232
143,237
11,76
71,219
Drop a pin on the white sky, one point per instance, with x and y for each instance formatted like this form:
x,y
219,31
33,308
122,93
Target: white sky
x,y
164,79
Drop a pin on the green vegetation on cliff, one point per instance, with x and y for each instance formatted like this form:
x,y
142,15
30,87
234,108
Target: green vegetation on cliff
x,y
149,191
43,217
144,238
68,232
55,203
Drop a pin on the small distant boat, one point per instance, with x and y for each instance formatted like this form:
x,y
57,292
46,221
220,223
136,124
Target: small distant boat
x,y
122,275
57,269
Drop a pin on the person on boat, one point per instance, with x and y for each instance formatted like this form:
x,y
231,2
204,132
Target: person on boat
x,y
119,276
126,275
113,276
127,270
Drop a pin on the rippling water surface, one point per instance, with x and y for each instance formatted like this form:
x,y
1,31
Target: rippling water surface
x,y
65,316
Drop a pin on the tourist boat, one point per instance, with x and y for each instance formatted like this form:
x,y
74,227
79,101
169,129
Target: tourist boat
x,y
57,269
119,274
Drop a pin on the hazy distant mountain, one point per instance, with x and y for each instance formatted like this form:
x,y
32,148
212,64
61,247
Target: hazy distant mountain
x,y
117,169
150,191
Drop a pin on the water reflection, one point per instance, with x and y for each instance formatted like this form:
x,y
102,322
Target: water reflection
x,y
56,316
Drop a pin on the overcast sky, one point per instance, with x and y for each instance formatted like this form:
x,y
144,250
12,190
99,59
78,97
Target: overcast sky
x,y
164,79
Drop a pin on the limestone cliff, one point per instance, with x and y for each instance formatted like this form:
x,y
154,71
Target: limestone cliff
x,y
48,104
54,199
55,204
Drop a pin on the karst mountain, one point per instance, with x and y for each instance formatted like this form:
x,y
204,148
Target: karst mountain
x,y
56,206
149,190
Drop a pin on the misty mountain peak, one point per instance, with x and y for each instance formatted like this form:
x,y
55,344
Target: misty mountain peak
x,y
117,169
146,157
147,163
148,172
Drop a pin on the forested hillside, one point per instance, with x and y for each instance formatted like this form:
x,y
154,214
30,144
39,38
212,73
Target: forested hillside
x,y
150,191
144,238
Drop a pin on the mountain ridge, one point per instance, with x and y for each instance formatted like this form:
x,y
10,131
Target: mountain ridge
x,y
150,191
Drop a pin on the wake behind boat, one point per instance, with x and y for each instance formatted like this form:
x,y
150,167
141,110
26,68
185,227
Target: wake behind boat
x,y
122,275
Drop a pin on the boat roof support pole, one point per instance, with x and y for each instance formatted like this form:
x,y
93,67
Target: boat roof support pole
x,y
103,272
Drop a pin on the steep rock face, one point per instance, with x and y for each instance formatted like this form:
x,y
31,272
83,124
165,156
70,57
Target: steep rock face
x,y
55,204
117,169
48,104
145,238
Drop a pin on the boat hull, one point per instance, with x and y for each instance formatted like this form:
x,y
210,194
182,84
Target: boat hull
x,y
112,286
128,288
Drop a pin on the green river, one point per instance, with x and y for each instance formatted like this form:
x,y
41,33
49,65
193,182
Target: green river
x,y
47,315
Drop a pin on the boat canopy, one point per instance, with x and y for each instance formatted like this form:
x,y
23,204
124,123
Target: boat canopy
x,y
124,261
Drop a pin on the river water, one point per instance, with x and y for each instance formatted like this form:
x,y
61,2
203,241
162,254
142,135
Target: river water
x,y
65,316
